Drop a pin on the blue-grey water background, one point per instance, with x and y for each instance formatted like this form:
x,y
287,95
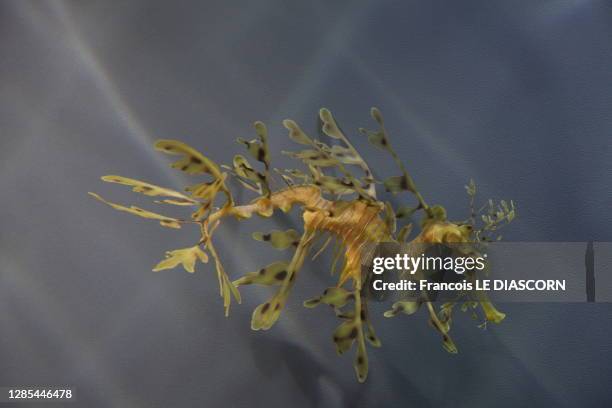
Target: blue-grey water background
x,y
516,95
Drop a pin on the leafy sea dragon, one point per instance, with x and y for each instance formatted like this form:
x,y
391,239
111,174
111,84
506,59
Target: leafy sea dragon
x,y
335,204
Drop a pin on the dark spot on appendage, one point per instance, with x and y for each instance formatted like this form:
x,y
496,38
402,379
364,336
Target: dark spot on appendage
x,y
404,183
362,315
277,306
350,296
292,277
353,333
360,360
265,307
266,237
281,275
399,308
185,167
383,142
326,291
336,339
262,271
195,160
261,154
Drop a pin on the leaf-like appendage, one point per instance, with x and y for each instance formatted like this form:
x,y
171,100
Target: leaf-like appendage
x,y
243,168
333,296
193,161
329,126
296,134
361,362
186,257
314,158
491,312
335,185
279,239
371,337
396,184
273,274
163,220
377,116
266,314
151,190
344,336
258,148
406,307
345,156
206,191
377,139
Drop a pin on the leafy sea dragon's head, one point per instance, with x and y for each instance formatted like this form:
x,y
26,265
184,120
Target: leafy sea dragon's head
x,y
337,194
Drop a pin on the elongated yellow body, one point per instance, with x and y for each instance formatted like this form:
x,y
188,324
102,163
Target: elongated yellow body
x,y
337,203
